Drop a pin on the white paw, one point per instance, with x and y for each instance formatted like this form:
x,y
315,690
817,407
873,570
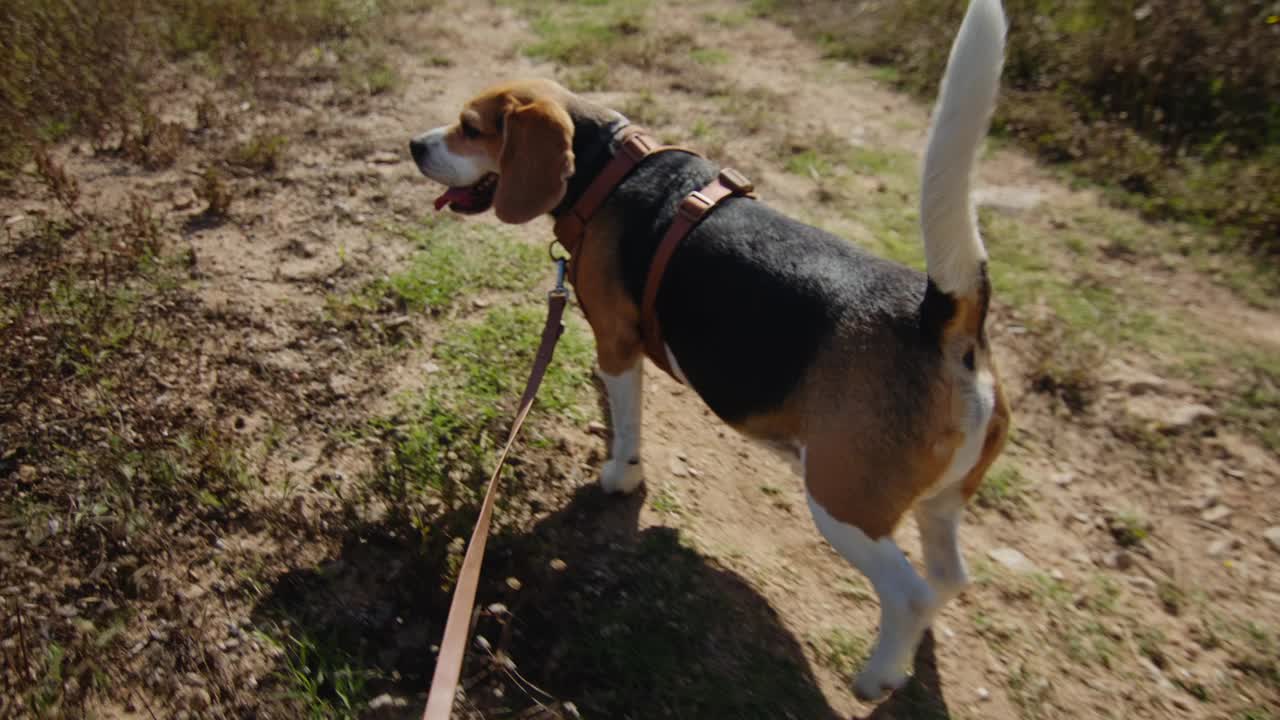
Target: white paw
x,y
946,590
875,684
621,477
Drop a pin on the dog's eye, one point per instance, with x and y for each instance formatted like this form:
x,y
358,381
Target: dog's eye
x,y
469,131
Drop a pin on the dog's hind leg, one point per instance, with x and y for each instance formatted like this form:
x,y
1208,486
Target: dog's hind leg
x,y
938,518
907,603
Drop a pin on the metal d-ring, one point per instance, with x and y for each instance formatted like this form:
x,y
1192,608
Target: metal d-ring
x,y
551,251
562,263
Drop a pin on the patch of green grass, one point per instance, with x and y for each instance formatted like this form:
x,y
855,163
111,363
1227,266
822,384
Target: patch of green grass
x,y
456,258
701,130
324,678
646,109
1258,654
887,74
572,38
1088,643
856,589
1129,528
665,502
494,355
1004,490
45,696
809,163
841,651
588,78
262,152
1030,692
1102,594
1171,596
750,109
442,440
594,33
1151,643
882,163
710,56
370,73
729,19
1255,401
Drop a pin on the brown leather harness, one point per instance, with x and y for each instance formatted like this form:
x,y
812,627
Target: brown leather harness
x,y
633,146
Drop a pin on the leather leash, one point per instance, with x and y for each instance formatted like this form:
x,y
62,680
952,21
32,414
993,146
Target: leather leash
x,y
444,682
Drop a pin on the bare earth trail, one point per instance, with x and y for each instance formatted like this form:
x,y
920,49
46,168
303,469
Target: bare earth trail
x,y
742,506
1135,598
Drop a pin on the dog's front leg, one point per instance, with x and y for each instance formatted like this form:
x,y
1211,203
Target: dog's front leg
x,y
623,472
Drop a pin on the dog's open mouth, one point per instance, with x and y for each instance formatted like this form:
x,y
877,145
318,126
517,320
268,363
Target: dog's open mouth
x,y
471,199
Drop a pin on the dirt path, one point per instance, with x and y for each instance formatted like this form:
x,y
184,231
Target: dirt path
x,y
744,508
1151,591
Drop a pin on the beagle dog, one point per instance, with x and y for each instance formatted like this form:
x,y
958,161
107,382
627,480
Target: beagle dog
x,y
879,377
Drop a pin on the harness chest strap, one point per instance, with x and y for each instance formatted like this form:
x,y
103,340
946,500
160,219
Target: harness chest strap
x,y
633,145
693,209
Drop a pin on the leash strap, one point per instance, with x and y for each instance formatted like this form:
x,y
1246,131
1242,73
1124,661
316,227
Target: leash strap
x,y
444,682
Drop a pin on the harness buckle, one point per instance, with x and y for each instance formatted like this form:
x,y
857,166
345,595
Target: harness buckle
x,y
637,147
737,182
694,206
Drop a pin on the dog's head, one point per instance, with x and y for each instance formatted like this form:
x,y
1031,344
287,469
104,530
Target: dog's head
x,y
511,149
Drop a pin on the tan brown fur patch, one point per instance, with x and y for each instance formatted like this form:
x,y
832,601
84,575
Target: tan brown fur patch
x,y
869,478
614,318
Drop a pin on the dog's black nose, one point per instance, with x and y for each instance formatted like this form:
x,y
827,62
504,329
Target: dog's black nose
x,y
419,150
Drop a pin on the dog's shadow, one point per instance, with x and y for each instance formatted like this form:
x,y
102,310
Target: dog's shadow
x,y
922,698
621,622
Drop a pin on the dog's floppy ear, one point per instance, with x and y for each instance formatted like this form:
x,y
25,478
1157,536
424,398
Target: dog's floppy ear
x,y
536,160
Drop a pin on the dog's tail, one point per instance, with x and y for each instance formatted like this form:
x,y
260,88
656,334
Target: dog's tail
x,y
954,252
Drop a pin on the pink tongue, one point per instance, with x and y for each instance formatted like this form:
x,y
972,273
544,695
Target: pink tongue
x,y
452,195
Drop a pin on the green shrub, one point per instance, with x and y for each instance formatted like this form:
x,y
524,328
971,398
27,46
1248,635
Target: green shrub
x,y
1175,104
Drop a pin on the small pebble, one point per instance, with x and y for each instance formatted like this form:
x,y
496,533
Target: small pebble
x,y
1272,536
984,694
1218,515
1221,547
1011,559
1118,559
